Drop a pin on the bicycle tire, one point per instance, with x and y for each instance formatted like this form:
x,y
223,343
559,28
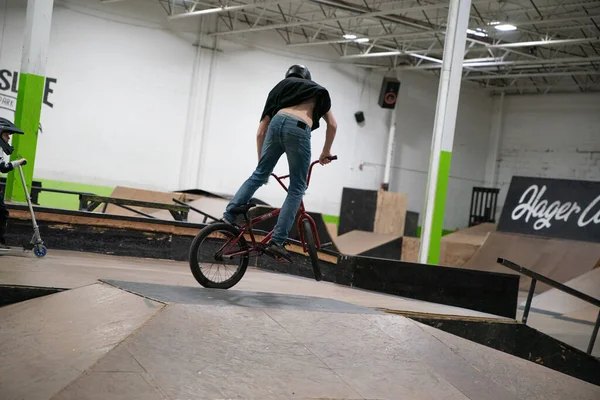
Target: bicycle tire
x,y
200,277
309,239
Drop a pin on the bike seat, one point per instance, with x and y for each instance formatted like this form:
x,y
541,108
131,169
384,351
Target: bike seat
x,y
242,209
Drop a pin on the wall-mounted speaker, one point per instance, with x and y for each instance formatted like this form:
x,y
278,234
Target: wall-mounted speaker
x,y
359,116
389,92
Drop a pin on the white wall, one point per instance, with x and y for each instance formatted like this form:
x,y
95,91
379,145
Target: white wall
x,y
415,120
120,102
243,77
554,136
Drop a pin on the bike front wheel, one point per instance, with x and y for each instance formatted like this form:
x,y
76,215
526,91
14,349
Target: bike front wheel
x,y
309,239
209,263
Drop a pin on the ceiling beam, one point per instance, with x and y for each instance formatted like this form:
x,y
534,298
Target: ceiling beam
x,y
552,42
218,10
361,15
530,75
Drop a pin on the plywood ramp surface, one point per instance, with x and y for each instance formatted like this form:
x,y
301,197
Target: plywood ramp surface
x,y
559,302
390,216
410,249
356,242
458,247
122,192
589,314
561,260
49,341
210,205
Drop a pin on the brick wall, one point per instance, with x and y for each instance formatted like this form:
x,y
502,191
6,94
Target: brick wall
x,y
554,136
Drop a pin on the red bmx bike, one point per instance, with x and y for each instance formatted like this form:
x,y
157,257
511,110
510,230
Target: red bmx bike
x,y
220,252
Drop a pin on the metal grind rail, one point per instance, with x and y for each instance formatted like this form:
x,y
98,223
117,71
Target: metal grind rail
x,y
557,285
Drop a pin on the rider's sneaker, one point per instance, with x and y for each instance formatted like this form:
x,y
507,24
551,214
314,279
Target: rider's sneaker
x,y
278,251
232,223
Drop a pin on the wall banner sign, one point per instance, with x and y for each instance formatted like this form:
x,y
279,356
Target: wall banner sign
x,y
9,85
557,208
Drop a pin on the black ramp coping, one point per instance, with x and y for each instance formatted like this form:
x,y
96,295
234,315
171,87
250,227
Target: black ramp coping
x,y
220,298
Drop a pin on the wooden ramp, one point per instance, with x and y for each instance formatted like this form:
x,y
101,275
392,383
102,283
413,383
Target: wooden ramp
x,y
561,260
122,192
213,206
370,244
559,302
459,247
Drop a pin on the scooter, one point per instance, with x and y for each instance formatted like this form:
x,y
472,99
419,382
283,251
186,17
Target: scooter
x,y
36,243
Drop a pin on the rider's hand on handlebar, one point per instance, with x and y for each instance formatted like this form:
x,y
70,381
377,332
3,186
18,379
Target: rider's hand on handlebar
x,y
325,157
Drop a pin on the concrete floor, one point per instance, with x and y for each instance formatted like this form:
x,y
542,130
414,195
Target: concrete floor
x,y
99,342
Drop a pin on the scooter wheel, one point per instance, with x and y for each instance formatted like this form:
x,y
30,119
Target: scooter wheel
x,y
39,250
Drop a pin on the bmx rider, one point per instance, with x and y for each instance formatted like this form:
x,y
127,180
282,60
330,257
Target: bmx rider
x,y
292,111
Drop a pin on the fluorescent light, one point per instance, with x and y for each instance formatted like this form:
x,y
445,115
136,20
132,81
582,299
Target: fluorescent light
x,y
506,27
494,23
478,32
362,40
349,36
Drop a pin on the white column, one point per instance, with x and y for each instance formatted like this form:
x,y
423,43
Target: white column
x,y
443,131
34,55
494,145
390,150
38,20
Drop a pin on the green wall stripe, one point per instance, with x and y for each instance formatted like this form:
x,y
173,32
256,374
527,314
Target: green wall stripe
x,y
68,201
27,117
437,224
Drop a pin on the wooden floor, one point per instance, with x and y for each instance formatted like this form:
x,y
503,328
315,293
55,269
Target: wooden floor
x,y
65,269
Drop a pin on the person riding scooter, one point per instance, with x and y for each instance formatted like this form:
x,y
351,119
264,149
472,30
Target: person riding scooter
x,y
7,128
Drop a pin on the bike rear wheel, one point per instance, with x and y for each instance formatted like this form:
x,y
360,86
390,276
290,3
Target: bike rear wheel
x,y
206,256
309,239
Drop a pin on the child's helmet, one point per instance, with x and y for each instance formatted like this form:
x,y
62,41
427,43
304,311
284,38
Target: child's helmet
x,y
10,128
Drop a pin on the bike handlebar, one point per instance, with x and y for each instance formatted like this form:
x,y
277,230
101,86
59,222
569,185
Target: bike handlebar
x,y
332,158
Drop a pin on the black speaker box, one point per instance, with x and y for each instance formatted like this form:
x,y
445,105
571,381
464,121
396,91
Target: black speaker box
x,y
359,116
389,92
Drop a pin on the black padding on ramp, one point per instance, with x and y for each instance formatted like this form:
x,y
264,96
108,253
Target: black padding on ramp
x,y
220,298
488,292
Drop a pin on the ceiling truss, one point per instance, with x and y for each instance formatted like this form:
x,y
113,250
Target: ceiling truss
x,y
555,46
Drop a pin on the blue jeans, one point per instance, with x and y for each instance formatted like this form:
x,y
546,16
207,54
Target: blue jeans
x,y
283,136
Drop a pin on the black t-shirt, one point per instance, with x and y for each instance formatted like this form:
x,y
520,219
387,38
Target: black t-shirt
x,y
293,91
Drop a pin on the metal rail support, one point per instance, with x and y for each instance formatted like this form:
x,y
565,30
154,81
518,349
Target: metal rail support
x,y
594,335
528,304
557,285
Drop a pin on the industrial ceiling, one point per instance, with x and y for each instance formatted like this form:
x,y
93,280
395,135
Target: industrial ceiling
x,y
516,47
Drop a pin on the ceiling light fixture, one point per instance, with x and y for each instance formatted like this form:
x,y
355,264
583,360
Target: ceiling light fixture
x,y
362,40
349,36
505,27
478,32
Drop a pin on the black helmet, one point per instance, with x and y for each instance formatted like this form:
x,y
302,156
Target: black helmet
x,y
298,71
10,128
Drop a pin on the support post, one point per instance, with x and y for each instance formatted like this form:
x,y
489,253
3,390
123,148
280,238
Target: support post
x,y
443,131
528,303
390,151
30,94
594,335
